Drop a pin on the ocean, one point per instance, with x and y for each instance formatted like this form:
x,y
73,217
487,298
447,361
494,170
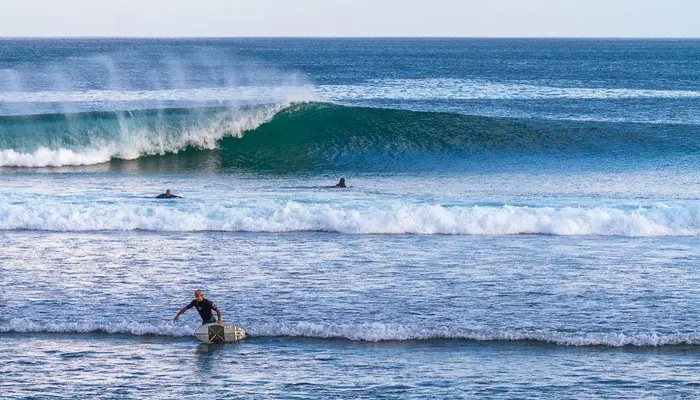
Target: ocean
x,y
521,218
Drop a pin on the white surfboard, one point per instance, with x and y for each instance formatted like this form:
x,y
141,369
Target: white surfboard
x,y
214,333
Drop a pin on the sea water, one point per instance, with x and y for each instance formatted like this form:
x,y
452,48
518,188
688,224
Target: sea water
x,y
522,217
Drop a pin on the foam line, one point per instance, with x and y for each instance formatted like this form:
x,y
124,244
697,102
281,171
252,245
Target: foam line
x,y
49,214
370,332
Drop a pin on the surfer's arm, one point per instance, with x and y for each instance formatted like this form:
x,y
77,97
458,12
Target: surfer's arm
x,y
218,315
182,311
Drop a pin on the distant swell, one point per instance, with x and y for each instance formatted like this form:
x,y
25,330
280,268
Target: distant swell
x,y
471,89
284,138
372,332
376,218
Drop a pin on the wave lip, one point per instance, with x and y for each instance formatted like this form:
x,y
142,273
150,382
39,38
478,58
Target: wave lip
x,y
371,332
47,214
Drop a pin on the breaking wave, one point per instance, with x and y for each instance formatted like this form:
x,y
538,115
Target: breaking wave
x,y
54,140
388,217
285,137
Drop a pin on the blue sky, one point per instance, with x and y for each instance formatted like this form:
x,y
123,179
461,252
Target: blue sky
x,y
485,18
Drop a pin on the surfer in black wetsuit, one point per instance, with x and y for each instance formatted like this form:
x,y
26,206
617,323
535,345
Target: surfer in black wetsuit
x,y
167,195
341,183
204,307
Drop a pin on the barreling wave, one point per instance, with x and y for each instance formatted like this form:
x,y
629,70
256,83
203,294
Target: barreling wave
x,y
320,136
41,214
370,332
317,136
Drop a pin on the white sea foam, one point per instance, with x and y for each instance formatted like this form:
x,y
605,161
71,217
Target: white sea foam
x,y
133,141
372,332
131,328
375,332
45,157
471,89
51,214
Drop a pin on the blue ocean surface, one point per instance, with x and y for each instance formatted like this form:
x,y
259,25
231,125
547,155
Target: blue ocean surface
x,y
521,218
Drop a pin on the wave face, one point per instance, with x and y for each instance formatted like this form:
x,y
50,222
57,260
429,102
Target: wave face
x,y
379,217
372,332
320,136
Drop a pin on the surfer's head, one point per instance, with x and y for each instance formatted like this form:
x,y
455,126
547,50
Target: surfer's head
x,y
198,295
168,192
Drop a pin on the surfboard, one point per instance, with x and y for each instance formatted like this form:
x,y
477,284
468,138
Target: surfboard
x,y
214,333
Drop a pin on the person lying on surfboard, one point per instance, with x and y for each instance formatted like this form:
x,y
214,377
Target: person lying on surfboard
x,y
204,307
167,195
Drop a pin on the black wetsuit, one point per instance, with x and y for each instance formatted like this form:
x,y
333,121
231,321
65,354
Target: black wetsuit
x,y
165,196
205,310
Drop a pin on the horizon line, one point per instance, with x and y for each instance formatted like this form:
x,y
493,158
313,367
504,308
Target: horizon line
x,y
357,37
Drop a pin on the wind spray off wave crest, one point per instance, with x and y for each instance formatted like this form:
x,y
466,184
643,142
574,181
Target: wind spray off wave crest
x,y
80,111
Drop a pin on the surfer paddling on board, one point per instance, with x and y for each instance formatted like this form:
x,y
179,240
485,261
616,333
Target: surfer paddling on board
x,y
340,184
167,195
204,307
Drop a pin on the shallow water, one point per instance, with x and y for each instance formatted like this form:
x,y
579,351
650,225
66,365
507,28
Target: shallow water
x,y
118,367
336,315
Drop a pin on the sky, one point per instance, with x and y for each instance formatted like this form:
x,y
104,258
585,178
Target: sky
x,y
363,18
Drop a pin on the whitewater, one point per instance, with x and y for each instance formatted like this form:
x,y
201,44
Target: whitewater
x,y
379,217
521,218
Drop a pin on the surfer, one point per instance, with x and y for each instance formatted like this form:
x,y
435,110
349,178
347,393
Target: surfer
x,y
341,183
167,195
204,307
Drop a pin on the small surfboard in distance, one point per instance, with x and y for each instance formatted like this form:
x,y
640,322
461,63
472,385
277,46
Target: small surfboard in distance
x,y
214,333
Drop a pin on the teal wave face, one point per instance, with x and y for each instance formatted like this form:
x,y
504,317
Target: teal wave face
x,y
318,136
324,136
